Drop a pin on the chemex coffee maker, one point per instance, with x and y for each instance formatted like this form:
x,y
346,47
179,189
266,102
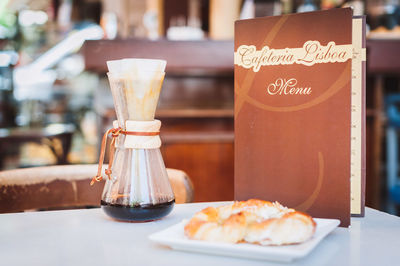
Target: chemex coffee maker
x,y
137,187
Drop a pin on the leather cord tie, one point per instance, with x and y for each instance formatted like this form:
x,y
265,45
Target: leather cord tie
x,y
115,132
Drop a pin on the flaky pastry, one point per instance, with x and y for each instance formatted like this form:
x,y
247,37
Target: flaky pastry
x,y
253,221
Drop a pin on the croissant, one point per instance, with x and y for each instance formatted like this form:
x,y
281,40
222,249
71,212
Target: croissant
x,y
253,221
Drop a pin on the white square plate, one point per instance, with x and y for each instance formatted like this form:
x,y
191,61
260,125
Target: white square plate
x,y
174,237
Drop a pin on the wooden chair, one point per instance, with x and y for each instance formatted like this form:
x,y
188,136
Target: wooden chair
x,y
65,187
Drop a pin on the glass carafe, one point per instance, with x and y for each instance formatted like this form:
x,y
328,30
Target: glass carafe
x,y
137,187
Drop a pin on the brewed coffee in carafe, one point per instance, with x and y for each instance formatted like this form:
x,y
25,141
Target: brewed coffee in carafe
x,y
137,186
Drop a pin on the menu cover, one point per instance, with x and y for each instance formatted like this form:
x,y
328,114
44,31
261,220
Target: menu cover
x,y
296,118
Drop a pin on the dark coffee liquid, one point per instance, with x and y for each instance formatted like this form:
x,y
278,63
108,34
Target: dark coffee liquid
x,y
138,213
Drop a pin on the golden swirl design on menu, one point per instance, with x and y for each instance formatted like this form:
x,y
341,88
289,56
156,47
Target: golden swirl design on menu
x,y
312,198
242,96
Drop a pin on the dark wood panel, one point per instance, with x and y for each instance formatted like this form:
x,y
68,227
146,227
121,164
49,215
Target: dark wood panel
x,y
209,125
209,165
374,178
383,56
193,57
201,92
194,113
383,60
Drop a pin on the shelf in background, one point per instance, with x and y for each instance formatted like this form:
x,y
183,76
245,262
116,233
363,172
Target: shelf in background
x,y
194,113
208,57
189,57
383,56
198,137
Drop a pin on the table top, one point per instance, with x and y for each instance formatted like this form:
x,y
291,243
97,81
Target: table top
x,y
89,237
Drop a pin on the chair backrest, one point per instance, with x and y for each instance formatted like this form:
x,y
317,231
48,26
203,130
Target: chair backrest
x,y
66,186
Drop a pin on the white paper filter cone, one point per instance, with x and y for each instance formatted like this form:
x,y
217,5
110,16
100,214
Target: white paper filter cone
x,y
136,85
135,65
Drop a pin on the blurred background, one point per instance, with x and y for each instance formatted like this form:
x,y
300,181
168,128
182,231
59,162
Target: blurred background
x,y
55,101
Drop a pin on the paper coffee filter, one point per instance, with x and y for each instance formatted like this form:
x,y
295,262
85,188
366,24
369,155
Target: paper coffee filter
x,y
135,66
136,85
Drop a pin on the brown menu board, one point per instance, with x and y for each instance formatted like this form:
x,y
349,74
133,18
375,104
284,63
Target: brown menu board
x,y
293,111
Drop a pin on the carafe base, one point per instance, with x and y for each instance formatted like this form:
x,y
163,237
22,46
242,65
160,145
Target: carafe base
x,y
138,213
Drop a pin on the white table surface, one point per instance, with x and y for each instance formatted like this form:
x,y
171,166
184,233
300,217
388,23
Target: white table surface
x,y
89,237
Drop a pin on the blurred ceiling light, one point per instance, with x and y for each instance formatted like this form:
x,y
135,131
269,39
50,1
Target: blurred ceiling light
x,y
35,80
28,18
71,66
67,46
